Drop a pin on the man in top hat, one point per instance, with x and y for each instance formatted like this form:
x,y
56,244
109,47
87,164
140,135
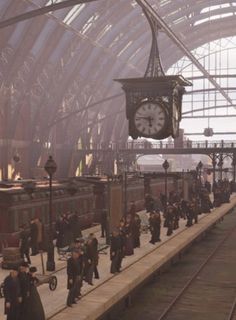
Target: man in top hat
x,y
12,294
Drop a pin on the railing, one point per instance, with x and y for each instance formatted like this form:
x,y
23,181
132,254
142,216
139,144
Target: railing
x,y
131,145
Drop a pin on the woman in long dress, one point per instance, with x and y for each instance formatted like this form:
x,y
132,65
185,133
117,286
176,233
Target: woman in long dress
x,y
34,308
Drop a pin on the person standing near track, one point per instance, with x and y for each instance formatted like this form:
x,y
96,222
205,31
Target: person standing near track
x,y
74,277
116,251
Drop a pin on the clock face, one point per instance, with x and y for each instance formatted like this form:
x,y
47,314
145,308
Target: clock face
x,y
150,118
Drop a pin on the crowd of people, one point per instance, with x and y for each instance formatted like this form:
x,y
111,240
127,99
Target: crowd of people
x,y
222,190
22,300
32,236
82,263
81,266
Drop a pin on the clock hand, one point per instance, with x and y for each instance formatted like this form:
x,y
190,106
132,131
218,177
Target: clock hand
x,y
150,119
145,118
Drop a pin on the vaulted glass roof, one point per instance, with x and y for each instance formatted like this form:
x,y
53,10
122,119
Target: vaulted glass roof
x,y
62,64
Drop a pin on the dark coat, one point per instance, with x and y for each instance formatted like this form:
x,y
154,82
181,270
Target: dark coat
x,y
74,269
34,308
12,293
33,232
24,284
24,238
95,248
75,226
116,246
25,292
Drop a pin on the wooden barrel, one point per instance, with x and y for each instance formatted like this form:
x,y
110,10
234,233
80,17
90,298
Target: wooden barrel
x,y
11,258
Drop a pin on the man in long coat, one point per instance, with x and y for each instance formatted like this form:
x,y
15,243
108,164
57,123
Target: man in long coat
x,y
116,251
74,274
24,287
12,294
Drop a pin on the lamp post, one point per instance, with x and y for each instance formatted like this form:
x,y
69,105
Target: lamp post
x,y
50,167
165,166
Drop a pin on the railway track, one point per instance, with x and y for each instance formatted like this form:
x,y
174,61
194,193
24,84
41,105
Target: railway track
x,y
204,289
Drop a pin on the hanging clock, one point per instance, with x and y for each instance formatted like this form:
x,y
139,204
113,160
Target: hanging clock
x,y
150,118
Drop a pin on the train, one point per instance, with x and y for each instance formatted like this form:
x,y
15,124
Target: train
x,y
20,201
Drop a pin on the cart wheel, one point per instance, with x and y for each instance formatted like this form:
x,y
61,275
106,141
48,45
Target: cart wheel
x,y
1,291
53,283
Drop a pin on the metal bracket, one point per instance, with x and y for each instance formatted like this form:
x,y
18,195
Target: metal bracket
x,y
154,67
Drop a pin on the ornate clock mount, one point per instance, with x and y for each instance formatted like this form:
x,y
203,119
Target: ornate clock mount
x,y
157,97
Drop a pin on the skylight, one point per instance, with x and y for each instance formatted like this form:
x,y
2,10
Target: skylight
x,y
73,13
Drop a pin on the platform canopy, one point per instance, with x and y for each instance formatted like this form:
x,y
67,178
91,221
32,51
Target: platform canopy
x,y
56,71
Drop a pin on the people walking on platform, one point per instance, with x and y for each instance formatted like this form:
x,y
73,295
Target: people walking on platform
x,y
149,203
34,308
197,209
24,281
132,210
169,219
40,233
90,259
176,215
157,219
34,237
189,214
59,233
217,196
74,226
163,199
12,295
155,226
136,227
208,186
74,277
64,233
96,255
103,223
151,221
24,243
232,186
128,228
116,251
184,208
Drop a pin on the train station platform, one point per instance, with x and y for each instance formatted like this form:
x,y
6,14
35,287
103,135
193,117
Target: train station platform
x,y
110,289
